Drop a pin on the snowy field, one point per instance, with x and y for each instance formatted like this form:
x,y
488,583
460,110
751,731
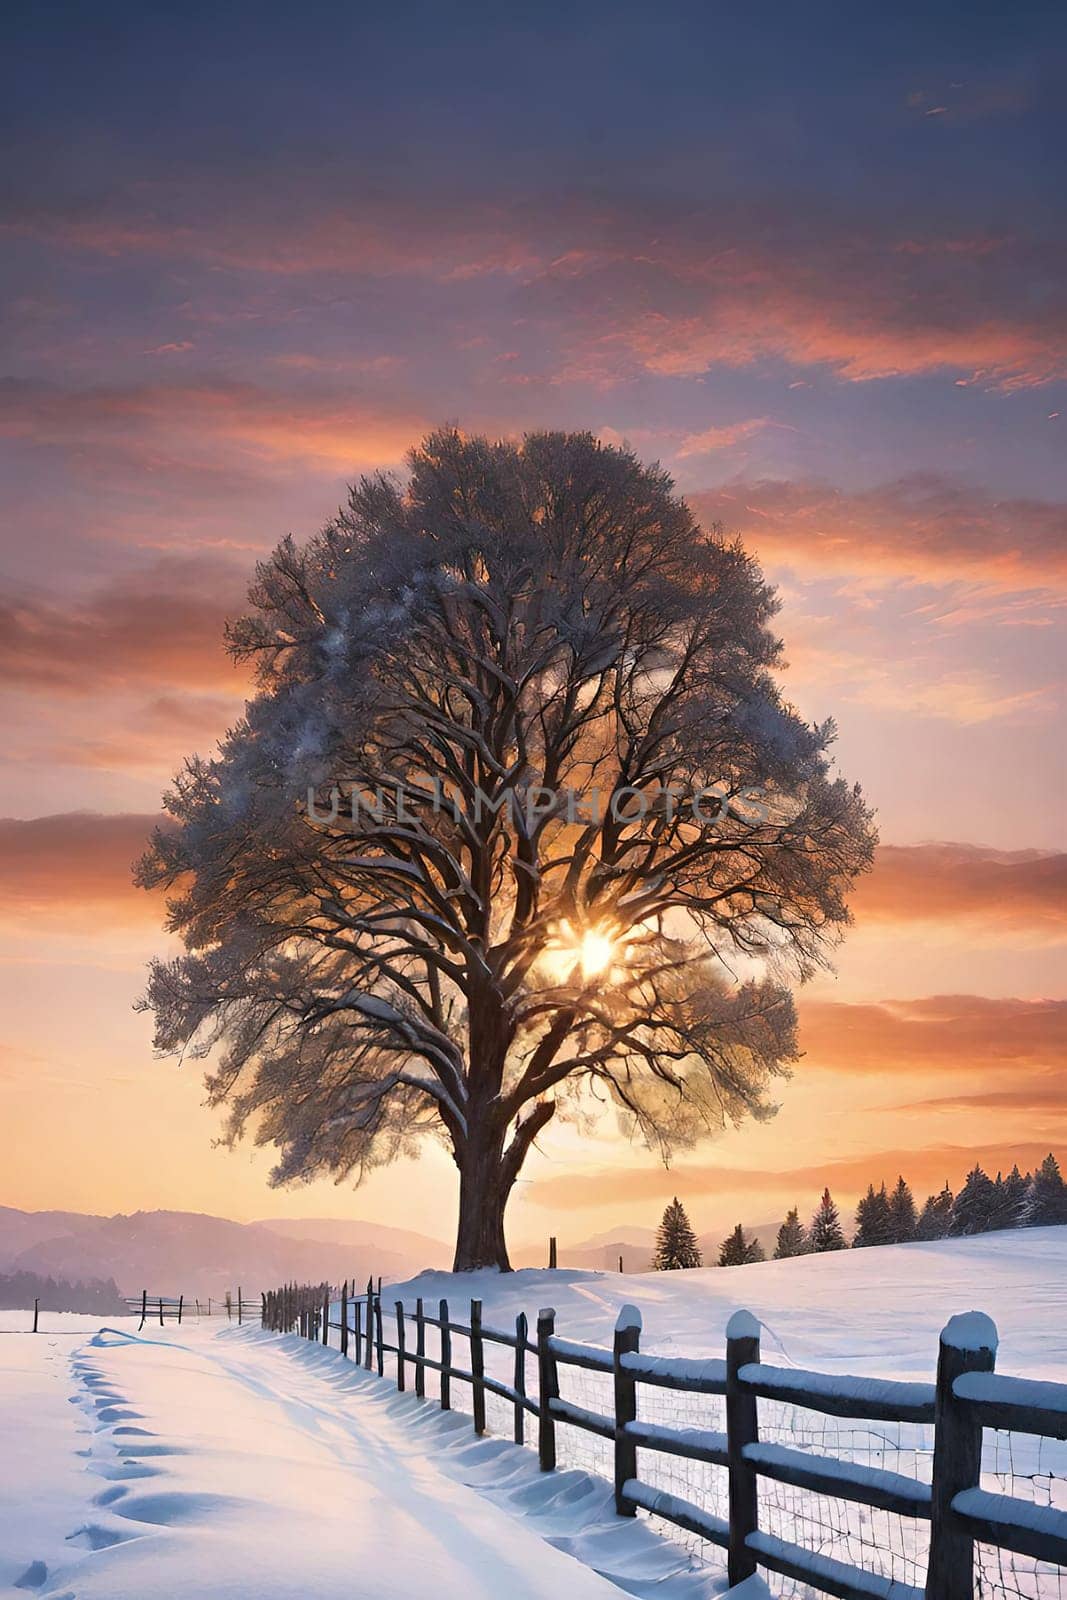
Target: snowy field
x,y
876,1312
236,1465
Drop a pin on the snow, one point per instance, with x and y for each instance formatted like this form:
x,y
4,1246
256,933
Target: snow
x,y
226,1464
1018,1513
237,1464
887,1394
743,1325
970,1330
628,1318
1003,1390
878,1312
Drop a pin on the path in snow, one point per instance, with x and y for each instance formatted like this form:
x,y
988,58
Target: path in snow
x,y
237,1465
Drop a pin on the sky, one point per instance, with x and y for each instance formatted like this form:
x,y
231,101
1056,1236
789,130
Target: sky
x,y
809,258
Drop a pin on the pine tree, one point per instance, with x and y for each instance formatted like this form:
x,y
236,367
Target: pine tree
x,y
873,1219
902,1218
1016,1198
974,1206
738,1250
825,1231
792,1237
1048,1194
935,1219
676,1243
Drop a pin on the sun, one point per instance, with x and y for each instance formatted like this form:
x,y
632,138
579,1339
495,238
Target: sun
x,y
596,952
591,950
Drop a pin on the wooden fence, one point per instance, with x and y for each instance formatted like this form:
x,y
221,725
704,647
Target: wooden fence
x,y
158,1307
967,1397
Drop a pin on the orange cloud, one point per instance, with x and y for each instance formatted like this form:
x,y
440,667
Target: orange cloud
x,y
926,1169
935,1034
634,287
162,624
327,430
921,527
1018,891
74,870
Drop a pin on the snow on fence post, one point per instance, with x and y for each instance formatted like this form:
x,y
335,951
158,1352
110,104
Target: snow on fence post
x,y
627,1341
548,1390
446,1358
420,1350
344,1318
370,1323
968,1344
522,1334
742,1347
477,1367
400,1345
144,1308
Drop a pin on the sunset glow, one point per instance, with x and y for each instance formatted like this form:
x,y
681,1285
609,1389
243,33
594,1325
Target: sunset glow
x,y
826,297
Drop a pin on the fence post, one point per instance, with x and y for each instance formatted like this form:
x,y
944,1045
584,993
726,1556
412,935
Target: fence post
x,y
370,1323
161,1311
357,1328
446,1358
552,1254
968,1344
522,1333
379,1333
420,1350
181,1300
627,1340
326,1316
344,1318
36,1311
240,1306
547,1391
144,1308
477,1366
742,1347
400,1353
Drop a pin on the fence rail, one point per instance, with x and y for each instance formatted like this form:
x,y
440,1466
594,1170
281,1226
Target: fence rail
x,y
968,1397
152,1307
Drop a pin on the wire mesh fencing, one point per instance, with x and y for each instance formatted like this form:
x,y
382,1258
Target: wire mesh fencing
x,y
492,1374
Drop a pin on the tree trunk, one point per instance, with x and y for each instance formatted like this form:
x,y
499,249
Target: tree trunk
x,y
484,1187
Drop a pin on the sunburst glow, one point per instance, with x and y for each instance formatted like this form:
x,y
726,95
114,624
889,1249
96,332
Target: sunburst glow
x,y
590,951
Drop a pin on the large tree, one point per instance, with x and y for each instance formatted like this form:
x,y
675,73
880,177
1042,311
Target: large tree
x,y
591,844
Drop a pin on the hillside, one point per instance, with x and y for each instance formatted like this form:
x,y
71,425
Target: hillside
x,y
866,1311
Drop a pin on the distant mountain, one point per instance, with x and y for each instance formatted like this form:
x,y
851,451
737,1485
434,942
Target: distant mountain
x,y
185,1252
372,1236
21,1230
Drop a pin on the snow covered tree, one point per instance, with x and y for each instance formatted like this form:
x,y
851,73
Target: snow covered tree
x,y
935,1219
738,1250
1011,1200
825,1231
792,1237
1048,1194
676,1243
516,786
973,1207
873,1219
902,1218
